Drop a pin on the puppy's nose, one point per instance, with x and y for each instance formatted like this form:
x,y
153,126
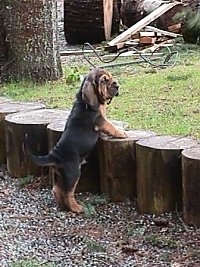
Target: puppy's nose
x,y
117,89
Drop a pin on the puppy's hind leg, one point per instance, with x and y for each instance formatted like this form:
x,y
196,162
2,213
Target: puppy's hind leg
x,y
70,174
69,199
58,194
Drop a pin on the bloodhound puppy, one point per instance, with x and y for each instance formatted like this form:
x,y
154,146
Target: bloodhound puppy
x,y
86,120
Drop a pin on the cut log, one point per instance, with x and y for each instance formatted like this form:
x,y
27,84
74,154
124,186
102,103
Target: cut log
x,y
159,182
33,123
90,21
142,23
191,186
8,107
118,165
90,179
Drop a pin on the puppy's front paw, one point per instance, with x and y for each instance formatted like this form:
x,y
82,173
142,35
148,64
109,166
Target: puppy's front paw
x,y
120,134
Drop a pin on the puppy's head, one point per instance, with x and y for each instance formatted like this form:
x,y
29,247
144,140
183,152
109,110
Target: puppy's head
x,y
99,87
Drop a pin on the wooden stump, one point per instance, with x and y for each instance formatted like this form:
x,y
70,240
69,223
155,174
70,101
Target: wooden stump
x,y
90,178
191,185
118,165
8,107
159,182
34,124
4,99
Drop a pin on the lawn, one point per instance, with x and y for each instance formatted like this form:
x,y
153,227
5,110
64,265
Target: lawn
x,y
166,100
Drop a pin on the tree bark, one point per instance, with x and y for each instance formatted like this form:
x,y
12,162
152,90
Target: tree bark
x,y
159,178
191,186
33,123
8,107
90,178
118,165
29,40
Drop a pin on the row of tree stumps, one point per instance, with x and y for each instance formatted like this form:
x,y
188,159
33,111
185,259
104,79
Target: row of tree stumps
x,y
161,172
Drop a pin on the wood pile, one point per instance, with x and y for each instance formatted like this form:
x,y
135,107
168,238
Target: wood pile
x,y
142,35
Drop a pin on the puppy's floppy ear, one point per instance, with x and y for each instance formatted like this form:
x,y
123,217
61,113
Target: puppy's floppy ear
x,y
88,94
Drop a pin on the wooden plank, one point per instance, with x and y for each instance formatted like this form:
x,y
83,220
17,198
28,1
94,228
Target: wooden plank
x,y
166,33
176,28
76,52
108,15
157,46
148,34
147,40
143,22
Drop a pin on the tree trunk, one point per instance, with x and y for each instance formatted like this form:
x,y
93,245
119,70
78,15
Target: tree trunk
x,y
159,178
191,185
89,180
8,107
29,40
33,123
118,165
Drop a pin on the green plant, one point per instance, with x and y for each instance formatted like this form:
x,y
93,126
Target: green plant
x,y
31,263
161,241
94,246
24,180
72,76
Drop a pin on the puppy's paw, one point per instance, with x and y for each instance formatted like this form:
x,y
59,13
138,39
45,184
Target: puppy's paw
x,y
120,134
73,205
76,208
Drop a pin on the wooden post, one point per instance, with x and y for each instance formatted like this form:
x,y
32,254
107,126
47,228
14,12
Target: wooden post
x,y
159,183
118,165
90,179
8,107
34,124
191,185
108,16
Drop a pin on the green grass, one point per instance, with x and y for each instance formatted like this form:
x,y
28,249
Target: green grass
x,y
166,101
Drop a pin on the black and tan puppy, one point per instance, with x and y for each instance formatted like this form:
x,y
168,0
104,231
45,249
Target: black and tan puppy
x,y
86,120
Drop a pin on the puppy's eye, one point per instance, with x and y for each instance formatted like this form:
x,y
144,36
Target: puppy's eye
x,y
105,79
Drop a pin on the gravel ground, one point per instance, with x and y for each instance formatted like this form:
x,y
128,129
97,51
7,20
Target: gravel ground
x,y
33,232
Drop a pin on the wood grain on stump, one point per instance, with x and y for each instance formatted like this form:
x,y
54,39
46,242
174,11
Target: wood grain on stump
x,y
90,178
8,107
33,123
159,182
118,165
191,185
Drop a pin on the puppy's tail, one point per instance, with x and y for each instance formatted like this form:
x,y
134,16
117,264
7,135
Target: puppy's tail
x,y
46,160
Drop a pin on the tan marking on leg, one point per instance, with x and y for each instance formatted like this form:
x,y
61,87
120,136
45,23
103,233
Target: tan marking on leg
x,y
102,109
108,128
58,195
71,202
